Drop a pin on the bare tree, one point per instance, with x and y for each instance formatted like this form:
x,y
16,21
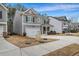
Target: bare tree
x,y
20,7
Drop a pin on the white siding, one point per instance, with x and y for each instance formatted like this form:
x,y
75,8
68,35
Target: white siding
x,y
57,25
1,30
17,23
4,17
3,21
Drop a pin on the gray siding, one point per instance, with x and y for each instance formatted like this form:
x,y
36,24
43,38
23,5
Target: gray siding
x,y
57,25
4,14
17,23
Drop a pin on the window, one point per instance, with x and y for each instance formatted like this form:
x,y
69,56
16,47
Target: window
x,y
0,14
47,28
64,23
39,20
44,21
29,19
48,21
33,19
26,19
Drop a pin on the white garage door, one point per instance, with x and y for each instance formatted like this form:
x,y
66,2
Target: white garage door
x,y
1,30
32,31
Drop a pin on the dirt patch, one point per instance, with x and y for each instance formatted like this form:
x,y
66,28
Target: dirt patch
x,y
71,50
23,41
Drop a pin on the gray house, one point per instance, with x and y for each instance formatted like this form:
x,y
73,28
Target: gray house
x,y
32,23
3,19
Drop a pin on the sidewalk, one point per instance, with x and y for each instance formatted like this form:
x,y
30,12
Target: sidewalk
x,y
8,49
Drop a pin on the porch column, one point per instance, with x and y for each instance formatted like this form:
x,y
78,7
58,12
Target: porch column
x,y
46,30
22,25
6,29
42,29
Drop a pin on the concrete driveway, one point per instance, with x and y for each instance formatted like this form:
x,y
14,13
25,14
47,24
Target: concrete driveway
x,y
7,49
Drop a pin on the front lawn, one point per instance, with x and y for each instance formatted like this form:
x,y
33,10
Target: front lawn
x,y
23,41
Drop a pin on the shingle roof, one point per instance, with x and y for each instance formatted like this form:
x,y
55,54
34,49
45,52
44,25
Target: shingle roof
x,y
61,18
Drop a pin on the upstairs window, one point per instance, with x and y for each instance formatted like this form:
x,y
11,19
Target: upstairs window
x,y
78,25
33,19
0,14
26,19
64,23
44,22
29,19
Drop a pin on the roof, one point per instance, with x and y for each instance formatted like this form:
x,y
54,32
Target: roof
x,y
3,6
32,10
61,18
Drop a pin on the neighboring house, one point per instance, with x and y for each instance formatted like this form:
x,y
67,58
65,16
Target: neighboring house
x,y
3,19
57,25
65,23
32,23
74,26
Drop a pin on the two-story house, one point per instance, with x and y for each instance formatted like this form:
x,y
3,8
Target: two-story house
x,y
65,23
3,19
31,23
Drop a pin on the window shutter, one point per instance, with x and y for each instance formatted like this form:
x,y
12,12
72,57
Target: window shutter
x,y
26,19
0,14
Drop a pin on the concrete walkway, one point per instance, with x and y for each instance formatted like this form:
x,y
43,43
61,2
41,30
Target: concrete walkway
x,y
7,49
42,49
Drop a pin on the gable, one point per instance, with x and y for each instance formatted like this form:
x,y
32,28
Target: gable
x,y
2,7
30,12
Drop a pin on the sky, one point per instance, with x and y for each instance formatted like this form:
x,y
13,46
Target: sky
x,y
71,10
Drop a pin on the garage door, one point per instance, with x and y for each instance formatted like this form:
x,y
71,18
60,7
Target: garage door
x,y
32,31
1,30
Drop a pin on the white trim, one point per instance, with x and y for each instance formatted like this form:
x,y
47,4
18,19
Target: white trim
x,y
3,6
3,23
30,9
22,25
32,24
27,10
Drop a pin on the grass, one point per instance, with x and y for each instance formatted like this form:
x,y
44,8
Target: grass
x,y
70,50
23,41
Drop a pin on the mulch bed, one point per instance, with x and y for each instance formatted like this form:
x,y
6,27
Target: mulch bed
x,y
71,50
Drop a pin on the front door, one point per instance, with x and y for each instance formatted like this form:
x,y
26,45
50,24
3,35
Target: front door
x,y
45,30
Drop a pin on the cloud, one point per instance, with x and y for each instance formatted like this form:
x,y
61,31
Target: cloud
x,y
64,7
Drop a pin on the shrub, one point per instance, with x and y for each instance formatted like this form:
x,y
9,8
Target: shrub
x,y
63,31
24,34
73,31
51,32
